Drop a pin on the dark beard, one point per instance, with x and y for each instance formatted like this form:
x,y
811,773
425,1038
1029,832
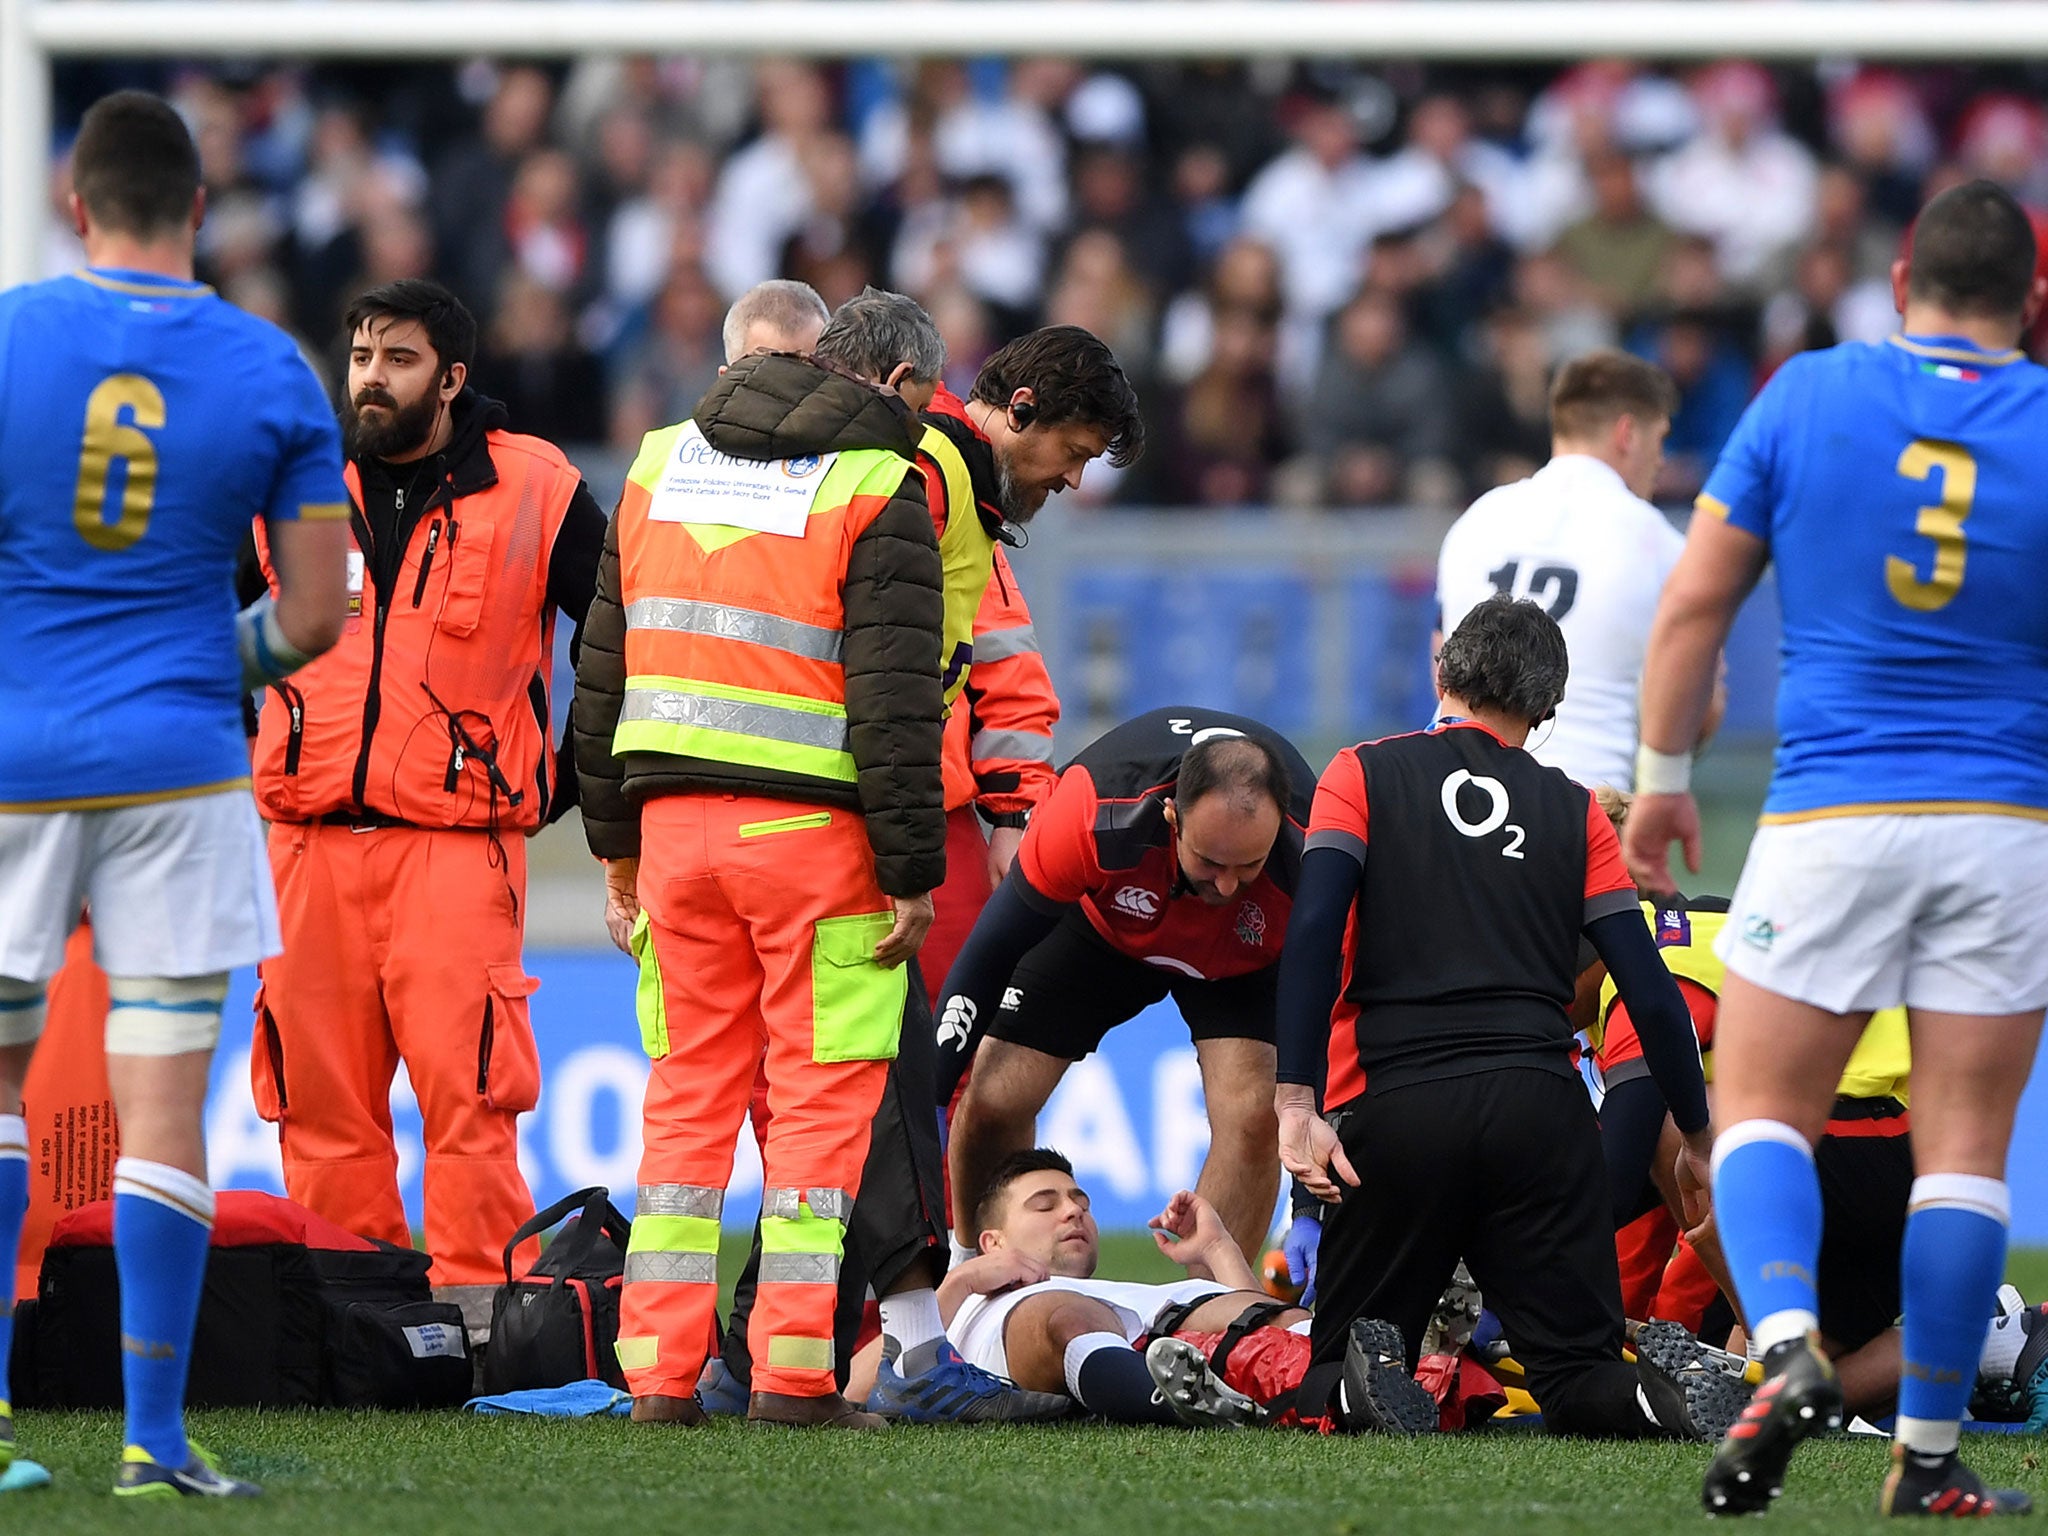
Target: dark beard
x,y
1011,498
407,428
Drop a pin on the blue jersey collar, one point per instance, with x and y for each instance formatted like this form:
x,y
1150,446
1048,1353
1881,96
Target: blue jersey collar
x,y
1956,349
152,285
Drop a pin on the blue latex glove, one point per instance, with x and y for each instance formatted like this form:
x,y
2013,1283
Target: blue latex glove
x,y
1300,1244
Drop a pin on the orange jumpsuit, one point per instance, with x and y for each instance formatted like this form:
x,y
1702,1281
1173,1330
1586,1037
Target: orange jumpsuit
x,y
401,772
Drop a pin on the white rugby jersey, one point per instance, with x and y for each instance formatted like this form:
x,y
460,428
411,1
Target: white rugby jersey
x,y
1574,538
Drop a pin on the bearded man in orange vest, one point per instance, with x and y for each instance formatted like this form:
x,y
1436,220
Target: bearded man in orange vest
x,y
401,774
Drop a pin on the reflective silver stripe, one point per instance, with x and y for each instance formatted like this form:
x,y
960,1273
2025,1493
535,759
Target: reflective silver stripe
x,y
798,727
676,1268
799,1269
1025,746
1002,644
680,1200
726,622
832,1204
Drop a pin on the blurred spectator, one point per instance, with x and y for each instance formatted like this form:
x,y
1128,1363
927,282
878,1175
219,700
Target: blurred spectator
x,y
550,387
1314,206
1743,182
472,181
1210,219
2005,137
1468,270
1379,420
1246,276
762,196
1714,382
675,359
1617,250
1880,126
1552,296
1504,422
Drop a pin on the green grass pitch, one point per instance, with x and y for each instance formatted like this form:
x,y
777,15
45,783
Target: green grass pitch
x,y
456,1475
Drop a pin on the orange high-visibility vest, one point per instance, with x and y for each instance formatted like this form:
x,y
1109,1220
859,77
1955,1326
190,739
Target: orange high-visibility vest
x,y
433,707
734,632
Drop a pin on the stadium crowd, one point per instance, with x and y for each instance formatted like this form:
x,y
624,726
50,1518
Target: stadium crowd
x,y
1332,287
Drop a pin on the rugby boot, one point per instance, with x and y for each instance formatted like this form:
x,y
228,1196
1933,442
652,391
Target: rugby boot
x,y
828,1412
143,1477
1377,1394
2030,1372
1941,1486
1191,1388
1800,1396
685,1412
950,1391
1996,1396
720,1391
1710,1397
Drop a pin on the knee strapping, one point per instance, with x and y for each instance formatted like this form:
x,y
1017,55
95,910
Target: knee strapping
x,y
164,1016
24,1006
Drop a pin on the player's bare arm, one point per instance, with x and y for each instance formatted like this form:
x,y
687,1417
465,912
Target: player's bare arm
x,y
1190,1233
1718,570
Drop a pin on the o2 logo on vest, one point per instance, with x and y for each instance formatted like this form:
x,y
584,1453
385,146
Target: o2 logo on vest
x,y
1496,817
802,467
1136,901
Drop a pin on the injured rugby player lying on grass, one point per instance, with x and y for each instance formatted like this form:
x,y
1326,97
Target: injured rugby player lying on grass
x,y
1213,1349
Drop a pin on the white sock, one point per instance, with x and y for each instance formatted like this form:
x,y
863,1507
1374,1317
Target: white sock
x,y
1783,1327
2003,1340
1302,1327
14,1137
1928,1437
960,1251
911,1318
1080,1349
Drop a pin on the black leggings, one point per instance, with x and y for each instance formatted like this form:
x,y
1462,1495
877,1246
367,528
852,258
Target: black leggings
x,y
1504,1170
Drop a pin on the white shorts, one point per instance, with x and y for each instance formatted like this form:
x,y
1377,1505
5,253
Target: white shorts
x,y
177,887
1937,911
977,1328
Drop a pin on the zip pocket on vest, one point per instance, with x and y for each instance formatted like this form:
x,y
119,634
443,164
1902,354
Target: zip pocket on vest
x,y
787,824
419,587
856,1005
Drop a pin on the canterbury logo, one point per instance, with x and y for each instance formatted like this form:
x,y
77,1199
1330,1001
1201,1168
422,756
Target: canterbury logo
x,y
1136,901
956,1024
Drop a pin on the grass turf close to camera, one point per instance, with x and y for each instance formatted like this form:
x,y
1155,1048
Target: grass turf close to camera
x,y
457,1474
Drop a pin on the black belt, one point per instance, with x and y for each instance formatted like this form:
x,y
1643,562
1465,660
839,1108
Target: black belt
x,y
361,821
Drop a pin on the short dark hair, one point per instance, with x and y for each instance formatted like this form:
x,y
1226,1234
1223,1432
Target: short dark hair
x,y
1008,1172
450,327
1072,376
1973,252
134,165
1593,391
875,330
1506,654
1242,767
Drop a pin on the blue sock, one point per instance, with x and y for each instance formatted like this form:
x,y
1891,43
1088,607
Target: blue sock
x,y
1953,1260
13,1211
1767,1204
1109,1378
163,1220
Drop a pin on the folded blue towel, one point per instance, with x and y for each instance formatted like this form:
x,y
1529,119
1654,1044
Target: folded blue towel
x,y
578,1400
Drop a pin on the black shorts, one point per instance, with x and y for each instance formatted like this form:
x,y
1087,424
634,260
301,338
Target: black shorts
x,y
1866,1181
1072,988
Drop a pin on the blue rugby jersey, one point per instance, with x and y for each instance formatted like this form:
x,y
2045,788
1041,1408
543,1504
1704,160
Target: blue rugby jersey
x,y
143,423
1903,490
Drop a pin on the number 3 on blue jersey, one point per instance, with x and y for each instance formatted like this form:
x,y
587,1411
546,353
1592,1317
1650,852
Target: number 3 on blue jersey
x,y
107,439
1941,522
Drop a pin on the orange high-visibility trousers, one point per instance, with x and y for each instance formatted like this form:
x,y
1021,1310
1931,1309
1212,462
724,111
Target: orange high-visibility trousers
x,y
764,916
958,903
401,943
